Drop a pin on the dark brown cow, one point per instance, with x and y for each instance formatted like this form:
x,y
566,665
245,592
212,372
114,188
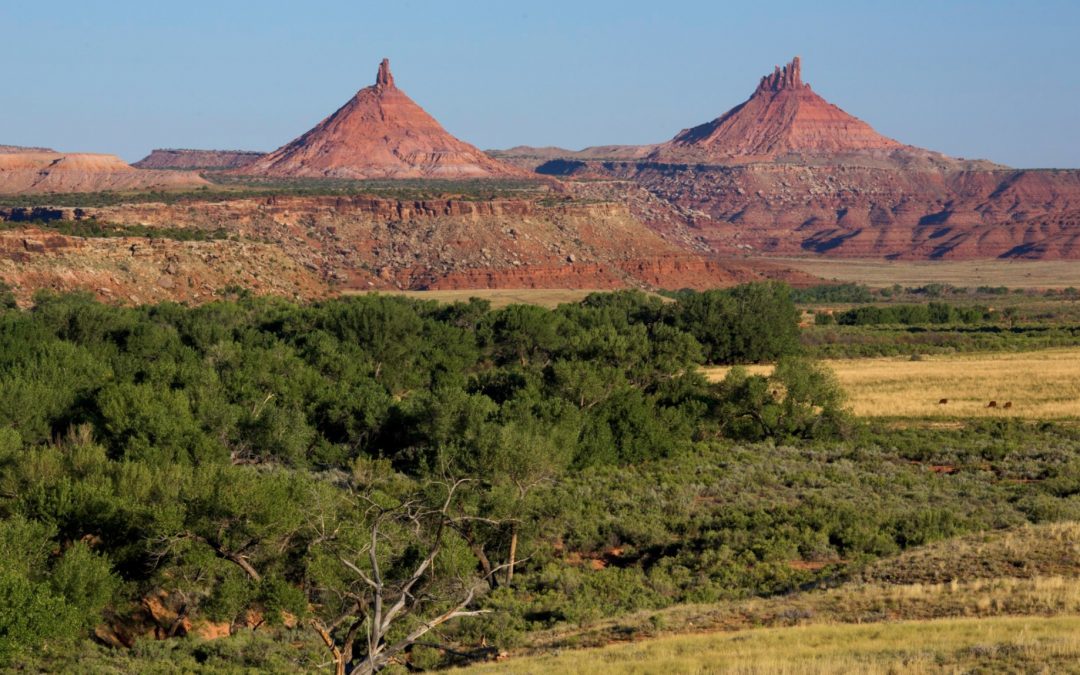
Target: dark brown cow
x,y
1008,404
991,404
943,401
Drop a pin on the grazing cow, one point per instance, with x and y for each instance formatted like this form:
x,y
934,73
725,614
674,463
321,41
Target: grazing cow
x,y
991,404
1008,404
943,401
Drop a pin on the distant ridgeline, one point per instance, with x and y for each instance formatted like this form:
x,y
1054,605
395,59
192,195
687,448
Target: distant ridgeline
x,y
192,160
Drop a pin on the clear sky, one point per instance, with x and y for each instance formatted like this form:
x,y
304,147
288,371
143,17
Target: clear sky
x,y
992,79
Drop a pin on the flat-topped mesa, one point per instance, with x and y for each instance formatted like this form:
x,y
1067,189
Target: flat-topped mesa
x,y
788,77
42,172
384,78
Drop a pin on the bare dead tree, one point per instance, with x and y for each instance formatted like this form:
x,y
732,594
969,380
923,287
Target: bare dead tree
x,y
376,604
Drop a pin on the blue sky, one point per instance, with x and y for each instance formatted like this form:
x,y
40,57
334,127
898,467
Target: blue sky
x,y
998,80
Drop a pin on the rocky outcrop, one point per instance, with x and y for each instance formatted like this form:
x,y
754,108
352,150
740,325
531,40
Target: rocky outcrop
x,y
874,212
134,270
303,246
197,160
788,77
379,133
44,172
365,242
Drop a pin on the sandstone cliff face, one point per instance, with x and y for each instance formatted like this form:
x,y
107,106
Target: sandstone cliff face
x,y
193,160
335,244
874,212
379,133
43,172
363,242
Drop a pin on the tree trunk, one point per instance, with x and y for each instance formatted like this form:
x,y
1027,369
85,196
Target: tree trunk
x,y
477,548
485,565
339,658
513,554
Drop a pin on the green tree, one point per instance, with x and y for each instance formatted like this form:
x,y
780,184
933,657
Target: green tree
x,y
45,600
750,323
801,399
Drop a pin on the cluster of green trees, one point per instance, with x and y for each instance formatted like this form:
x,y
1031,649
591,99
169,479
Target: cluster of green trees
x,y
847,293
316,461
908,315
828,342
318,386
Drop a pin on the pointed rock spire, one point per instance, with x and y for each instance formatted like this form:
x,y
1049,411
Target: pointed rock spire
x,y
788,77
379,133
384,78
783,117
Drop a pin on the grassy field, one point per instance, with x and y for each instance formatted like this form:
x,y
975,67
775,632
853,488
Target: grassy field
x,y
1040,385
1004,644
883,273
1024,571
1006,601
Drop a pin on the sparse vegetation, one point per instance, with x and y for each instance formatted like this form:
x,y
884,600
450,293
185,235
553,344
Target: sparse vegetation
x,y
90,228
224,187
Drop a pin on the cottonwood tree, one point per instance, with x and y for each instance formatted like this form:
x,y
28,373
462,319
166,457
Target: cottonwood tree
x,y
801,399
526,458
388,572
228,538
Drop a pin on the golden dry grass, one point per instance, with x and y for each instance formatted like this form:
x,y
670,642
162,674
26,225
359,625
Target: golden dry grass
x,y
1041,385
884,273
1005,644
500,297
951,606
1044,550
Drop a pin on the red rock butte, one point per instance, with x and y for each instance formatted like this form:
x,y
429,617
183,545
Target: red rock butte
x,y
28,171
379,133
783,117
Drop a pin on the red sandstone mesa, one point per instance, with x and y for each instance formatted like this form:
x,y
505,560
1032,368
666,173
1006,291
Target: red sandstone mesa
x,y
193,160
33,172
379,133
